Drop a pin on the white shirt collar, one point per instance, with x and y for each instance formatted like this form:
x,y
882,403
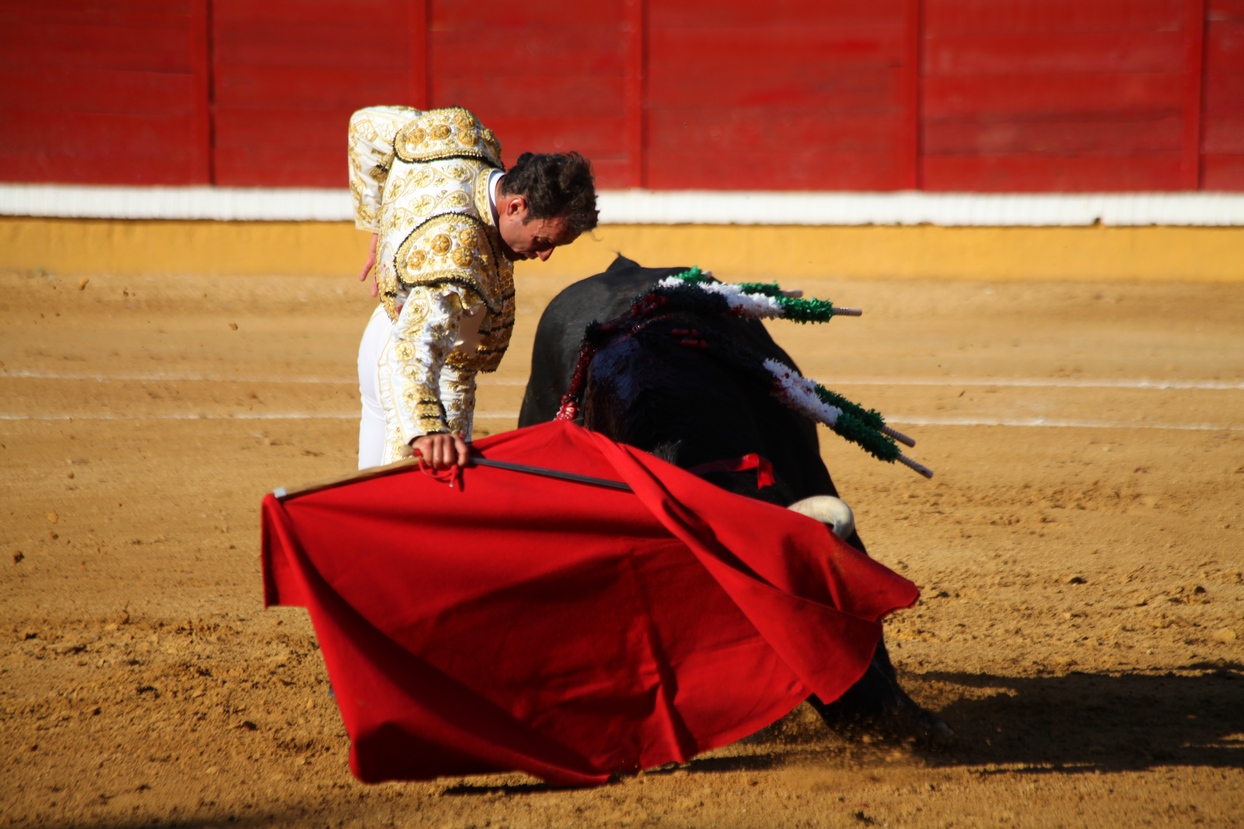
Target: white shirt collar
x,y
493,178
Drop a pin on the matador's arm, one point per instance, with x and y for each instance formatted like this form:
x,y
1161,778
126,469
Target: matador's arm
x,y
423,336
371,135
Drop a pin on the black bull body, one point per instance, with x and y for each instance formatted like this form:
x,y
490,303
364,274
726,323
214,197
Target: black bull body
x,y
657,388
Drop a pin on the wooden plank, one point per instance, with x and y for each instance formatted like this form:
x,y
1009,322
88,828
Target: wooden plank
x,y
97,148
1224,45
1223,172
295,130
376,15
634,93
1053,95
201,59
311,43
910,92
122,13
418,34
860,91
106,90
1078,52
591,96
1193,89
1069,137
709,14
96,134
593,137
748,132
1032,173
714,168
158,49
701,53
278,167
1224,10
1036,16
45,168
1223,136
545,51
1224,94
505,15
307,87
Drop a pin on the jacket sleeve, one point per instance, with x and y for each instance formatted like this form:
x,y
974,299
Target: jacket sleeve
x,y
370,150
423,336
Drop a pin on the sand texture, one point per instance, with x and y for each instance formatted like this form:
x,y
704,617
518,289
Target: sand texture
x,y
1080,553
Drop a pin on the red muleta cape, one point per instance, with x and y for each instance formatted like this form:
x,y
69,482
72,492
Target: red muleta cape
x,y
567,630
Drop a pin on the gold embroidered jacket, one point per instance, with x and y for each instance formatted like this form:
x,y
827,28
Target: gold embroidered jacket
x,y
420,182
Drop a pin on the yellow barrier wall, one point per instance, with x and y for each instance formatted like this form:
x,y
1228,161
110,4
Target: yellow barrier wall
x,y
73,246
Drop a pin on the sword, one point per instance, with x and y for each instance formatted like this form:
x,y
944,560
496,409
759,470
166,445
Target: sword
x,y
283,493
550,473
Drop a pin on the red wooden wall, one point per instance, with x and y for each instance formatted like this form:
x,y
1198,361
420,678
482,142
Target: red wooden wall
x,y
781,94
1061,94
1222,127
941,95
104,92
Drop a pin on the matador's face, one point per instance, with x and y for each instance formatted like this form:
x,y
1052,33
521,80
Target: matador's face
x,y
525,238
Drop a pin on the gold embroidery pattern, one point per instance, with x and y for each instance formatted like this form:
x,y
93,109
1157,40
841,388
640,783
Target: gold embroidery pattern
x,y
434,245
457,200
458,391
446,133
370,151
483,202
459,249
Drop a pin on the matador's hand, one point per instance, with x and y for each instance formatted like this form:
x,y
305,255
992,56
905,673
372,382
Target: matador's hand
x,y
442,450
370,265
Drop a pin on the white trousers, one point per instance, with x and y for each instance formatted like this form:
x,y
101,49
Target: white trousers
x,y
372,423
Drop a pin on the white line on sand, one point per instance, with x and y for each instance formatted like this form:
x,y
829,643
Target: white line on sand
x,y
907,421
1016,382
194,377
1045,383
1040,422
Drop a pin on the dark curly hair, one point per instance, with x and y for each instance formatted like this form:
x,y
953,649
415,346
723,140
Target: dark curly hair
x,y
555,185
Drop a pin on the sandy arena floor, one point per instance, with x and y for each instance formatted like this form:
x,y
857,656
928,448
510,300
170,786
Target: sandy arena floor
x,y
1080,554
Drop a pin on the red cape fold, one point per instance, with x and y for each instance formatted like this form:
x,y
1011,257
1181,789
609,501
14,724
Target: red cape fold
x,y
562,629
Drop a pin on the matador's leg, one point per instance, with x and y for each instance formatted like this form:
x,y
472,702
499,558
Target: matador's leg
x,y
372,421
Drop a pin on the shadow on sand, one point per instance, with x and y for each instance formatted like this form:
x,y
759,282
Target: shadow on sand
x,y
1073,724
1077,723
1192,716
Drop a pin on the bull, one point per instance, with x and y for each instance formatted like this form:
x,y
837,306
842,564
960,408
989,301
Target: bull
x,y
664,391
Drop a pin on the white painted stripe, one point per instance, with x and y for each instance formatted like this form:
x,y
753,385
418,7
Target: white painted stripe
x,y
906,420
194,377
660,208
73,201
485,380
1047,383
187,416
1040,422
228,416
914,208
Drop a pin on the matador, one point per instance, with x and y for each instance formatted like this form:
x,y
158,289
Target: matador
x,y
448,222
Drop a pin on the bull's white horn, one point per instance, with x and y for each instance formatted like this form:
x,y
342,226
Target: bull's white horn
x,y
828,510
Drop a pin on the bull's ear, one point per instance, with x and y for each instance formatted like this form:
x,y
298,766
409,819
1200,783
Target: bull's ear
x,y
621,263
